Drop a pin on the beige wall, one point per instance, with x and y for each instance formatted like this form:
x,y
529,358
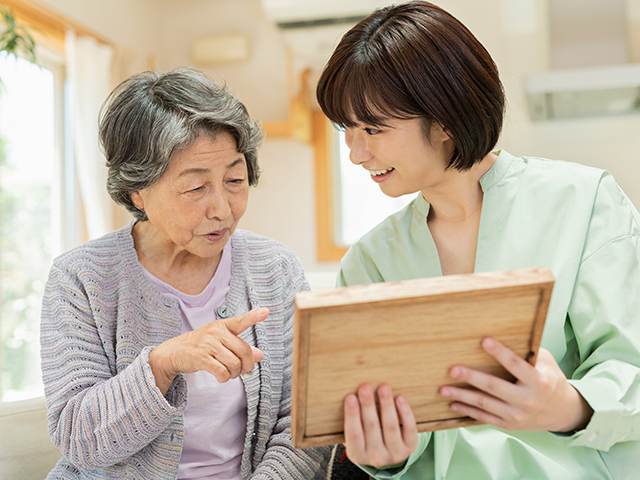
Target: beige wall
x,y
132,26
514,31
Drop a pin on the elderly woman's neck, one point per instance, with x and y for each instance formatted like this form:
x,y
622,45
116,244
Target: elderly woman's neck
x,y
172,263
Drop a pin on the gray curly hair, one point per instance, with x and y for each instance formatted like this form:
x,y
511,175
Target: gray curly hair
x,y
151,116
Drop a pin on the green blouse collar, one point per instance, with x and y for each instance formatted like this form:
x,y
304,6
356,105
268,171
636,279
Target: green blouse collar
x,y
488,180
497,171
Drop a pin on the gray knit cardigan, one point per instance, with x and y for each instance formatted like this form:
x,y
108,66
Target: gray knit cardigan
x,y
102,316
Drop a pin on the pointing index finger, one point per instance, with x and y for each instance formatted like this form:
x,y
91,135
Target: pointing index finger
x,y
239,324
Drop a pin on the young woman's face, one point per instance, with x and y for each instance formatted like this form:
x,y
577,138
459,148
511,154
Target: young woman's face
x,y
399,158
197,203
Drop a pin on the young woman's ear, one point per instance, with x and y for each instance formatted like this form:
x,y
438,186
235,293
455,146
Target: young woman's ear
x,y
439,134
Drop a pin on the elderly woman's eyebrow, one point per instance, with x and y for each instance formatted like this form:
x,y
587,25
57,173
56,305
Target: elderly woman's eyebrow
x,y
199,170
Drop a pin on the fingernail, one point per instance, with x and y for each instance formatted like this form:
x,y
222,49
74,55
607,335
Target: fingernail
x,y
352,401
263,310
366,391
456,372
455,408
402,403
384,392
445,392
489,343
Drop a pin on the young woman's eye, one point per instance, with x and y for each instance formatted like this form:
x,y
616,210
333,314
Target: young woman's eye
x,y
371,131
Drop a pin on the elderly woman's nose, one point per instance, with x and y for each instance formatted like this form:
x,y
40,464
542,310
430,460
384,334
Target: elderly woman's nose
x,y
218,205
357,143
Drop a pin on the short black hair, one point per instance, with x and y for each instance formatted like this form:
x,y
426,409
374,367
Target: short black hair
x,y
415,60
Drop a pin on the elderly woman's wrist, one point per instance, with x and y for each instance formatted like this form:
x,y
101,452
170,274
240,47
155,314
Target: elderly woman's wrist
x,y
161,369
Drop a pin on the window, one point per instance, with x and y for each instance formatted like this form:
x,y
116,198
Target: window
x,y
31,212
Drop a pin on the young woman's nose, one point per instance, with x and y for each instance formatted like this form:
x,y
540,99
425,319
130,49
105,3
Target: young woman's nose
x,y
357,143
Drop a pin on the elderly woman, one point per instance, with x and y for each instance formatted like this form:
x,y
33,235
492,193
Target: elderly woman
x,y
422,104
151,335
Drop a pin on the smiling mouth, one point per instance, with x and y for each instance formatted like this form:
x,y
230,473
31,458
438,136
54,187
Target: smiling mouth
x,y
380,176
378,173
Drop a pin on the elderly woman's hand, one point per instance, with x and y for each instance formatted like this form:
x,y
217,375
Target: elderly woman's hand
x,y
215,348
540,399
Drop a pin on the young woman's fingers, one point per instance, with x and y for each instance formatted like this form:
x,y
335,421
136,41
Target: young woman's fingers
x,y
353,431
474,398
370,421
391,432
409,425
495,386
516,366
479,414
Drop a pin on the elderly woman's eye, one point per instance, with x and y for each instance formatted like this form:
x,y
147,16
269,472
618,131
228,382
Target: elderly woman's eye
x,y
197,189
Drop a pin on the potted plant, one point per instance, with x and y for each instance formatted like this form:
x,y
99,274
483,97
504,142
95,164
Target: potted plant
x,y
15,39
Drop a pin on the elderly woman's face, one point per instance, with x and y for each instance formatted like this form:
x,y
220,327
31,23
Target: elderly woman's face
x,y
199,200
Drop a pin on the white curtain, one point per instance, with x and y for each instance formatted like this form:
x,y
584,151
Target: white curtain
x,y
88,65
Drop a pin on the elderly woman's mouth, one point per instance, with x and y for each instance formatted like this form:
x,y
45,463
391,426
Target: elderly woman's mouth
x,y
216,235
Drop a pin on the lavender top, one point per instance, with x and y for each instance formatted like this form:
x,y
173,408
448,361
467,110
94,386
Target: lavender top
x,y
215,418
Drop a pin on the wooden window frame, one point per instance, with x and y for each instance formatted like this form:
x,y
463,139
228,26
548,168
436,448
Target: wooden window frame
x,y
47,26
323,147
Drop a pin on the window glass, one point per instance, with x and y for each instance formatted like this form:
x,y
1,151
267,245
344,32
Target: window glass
x,y
27,208
361,204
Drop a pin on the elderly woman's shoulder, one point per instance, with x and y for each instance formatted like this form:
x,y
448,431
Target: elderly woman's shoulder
x,y
248,239
106,252
258,248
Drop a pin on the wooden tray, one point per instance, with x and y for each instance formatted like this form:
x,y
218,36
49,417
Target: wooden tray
x,y
407,334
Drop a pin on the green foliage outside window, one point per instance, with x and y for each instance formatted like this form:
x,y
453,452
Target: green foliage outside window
x,y
20,211
15,39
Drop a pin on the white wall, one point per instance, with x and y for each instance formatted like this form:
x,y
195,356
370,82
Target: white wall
x,y
132,26
261,81
514,31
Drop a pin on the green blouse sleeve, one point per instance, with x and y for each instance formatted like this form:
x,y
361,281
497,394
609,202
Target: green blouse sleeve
x,y
604,313
357,268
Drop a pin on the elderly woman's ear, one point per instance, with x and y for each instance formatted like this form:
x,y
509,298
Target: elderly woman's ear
x,y
138,201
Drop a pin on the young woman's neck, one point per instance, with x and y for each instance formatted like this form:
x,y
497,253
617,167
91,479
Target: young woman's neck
x,y
459,196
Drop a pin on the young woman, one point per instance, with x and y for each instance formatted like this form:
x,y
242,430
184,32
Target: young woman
x,y
422,105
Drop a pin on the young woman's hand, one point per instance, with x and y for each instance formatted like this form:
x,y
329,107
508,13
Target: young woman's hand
x,y
214,347
378,440
540,399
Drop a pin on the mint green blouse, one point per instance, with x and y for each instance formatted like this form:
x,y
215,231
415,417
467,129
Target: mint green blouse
x,y
577,221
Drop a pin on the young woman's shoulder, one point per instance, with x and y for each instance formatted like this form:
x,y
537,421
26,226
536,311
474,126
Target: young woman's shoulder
x,y
562,172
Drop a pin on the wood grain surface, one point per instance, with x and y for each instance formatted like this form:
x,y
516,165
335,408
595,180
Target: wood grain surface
x,y
407,334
